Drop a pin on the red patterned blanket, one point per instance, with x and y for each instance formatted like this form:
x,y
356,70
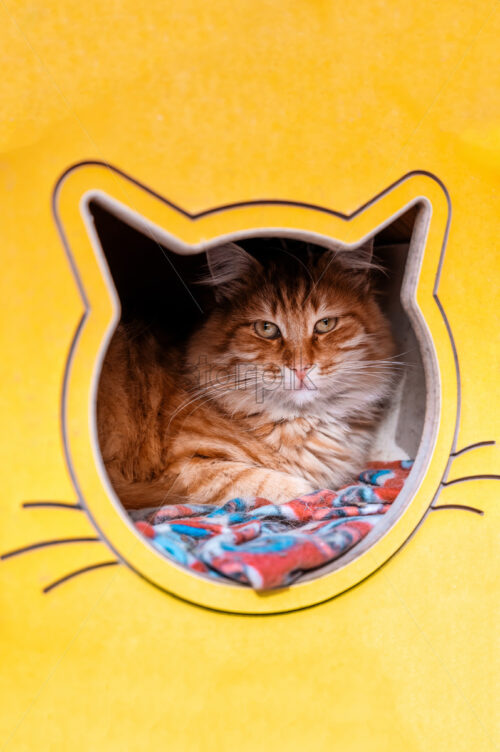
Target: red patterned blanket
x,y
266,545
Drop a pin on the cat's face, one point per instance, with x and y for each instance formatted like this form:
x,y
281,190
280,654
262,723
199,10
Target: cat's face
x,y
292,336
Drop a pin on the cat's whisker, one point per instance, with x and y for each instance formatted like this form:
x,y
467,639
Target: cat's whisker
x,y
78,572
374,338
51,505
182,407
204,403
46,544
470,447
368,363
360,372
364,372
237,382
344,369
370,371
217,390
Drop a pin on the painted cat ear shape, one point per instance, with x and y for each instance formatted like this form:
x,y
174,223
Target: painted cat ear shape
x,y
228,266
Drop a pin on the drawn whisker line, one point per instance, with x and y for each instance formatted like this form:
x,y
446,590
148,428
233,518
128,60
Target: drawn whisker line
x,y
468,448
466,478
78,572
46,544
463,507
56,504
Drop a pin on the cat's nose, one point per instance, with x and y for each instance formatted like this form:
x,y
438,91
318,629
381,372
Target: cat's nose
x,y
302,372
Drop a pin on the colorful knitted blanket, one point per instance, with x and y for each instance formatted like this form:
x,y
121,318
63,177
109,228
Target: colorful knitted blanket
x,y
265,545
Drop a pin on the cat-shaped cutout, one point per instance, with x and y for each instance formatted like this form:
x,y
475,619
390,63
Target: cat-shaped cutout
x,y
186,234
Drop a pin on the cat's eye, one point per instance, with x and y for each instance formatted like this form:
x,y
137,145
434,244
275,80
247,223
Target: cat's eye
x,y
325,325
267,329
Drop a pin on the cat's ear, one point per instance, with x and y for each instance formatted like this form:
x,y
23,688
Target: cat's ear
x,y
359,258
229,266
357,261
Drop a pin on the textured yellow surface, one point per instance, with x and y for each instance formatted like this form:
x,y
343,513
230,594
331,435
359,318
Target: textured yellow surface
x,y
207,104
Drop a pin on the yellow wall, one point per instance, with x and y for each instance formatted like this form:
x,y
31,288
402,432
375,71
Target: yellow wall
x,y
208,104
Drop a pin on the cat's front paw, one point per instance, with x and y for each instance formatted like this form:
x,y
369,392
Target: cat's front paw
x,y
292,489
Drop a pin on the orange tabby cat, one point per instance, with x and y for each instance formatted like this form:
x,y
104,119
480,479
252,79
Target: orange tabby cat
x,y
276,394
